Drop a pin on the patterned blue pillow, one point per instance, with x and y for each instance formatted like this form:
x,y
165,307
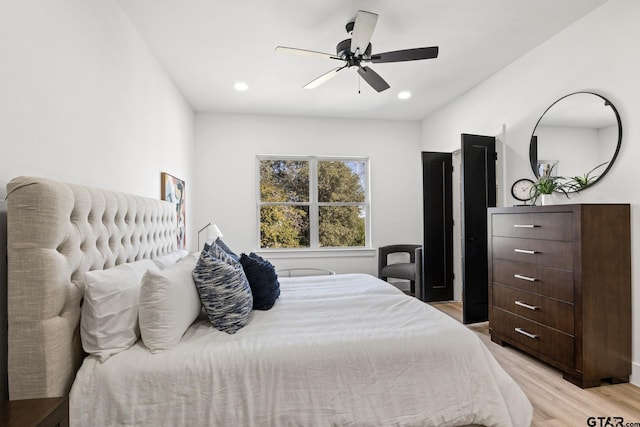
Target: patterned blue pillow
x,y
224,292
218,252
262,279
227,249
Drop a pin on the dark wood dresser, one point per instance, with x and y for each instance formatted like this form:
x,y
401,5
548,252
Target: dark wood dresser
x,y
560,287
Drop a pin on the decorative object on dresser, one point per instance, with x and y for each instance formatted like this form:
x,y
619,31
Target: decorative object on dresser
x,y
548,184
521,190
560,287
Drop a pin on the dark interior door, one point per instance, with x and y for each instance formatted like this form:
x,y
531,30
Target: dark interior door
x,y
478,193
437,252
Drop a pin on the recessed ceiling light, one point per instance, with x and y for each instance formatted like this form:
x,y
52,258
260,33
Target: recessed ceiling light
x,y
240,86
404,94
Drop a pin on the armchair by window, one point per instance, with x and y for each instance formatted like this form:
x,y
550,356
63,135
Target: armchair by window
x,y
411,270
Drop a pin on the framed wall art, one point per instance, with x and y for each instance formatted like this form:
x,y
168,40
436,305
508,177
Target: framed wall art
x,y
172,190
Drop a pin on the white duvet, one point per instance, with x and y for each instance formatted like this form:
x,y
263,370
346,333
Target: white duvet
x,y
344,350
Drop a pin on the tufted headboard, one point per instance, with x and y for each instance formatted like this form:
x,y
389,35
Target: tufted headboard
x,y
55,233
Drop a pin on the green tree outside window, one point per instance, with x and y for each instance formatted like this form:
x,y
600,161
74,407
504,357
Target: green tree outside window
x,y
313,202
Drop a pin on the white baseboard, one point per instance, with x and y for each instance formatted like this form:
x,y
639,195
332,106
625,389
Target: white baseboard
x,y
635,374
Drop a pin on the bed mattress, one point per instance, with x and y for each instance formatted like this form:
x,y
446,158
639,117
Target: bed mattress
x,y
334,350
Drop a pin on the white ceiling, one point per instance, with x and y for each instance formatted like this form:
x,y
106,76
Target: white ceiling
x,y
208,45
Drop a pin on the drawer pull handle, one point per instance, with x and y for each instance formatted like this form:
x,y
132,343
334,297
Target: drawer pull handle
x,y
527,278
526,334
525,251
525,305
525,226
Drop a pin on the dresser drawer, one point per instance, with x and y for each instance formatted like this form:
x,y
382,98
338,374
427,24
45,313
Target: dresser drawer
x,y
549,312
549,282
546,226
529,334
547,253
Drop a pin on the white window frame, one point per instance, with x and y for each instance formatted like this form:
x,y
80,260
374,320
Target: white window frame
x,y
314,205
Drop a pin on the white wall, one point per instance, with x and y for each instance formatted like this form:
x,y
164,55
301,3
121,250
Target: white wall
x,y
82,100
598,54
227,145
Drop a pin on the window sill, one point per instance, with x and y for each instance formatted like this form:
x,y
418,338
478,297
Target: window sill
x,y
316,253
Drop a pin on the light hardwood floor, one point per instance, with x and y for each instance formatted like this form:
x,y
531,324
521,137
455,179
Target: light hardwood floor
x,y
557,402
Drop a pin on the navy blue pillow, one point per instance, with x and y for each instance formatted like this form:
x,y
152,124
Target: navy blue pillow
x,y
263,280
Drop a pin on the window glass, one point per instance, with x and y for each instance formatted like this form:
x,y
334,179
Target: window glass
x,y
284,181
341,181
313,202
284,226
342,226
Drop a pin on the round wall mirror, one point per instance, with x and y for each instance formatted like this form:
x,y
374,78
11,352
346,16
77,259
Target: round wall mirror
x,y
577,139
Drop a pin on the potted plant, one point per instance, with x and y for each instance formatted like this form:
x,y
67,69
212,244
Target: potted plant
x,y
547,184
578,183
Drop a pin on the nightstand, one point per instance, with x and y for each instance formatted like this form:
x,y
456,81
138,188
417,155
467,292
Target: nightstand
x,y
48,412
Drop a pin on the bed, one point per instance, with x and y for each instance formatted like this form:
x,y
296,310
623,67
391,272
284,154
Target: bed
x,y
344,349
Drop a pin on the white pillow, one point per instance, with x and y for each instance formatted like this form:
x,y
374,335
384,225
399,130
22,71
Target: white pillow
x,y
109,322
169,303
170,259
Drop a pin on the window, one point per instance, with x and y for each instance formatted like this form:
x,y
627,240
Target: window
x,y
313,202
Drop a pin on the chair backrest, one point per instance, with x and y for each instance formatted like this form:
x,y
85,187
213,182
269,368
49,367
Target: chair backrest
x,y
384,251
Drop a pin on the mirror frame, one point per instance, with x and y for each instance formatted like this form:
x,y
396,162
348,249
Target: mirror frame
x,y
534,168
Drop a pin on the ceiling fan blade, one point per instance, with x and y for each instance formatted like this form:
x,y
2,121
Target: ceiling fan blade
x,y
363,28
296,51
405,55
323,78
373,78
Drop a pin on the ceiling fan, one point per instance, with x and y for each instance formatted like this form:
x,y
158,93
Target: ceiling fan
x,y
357,50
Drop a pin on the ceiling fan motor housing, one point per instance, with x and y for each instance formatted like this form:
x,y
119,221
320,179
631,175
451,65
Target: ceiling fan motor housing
x,y
350,26
343,50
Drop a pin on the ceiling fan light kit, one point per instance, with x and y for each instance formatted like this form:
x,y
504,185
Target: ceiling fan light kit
x,y
357,49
